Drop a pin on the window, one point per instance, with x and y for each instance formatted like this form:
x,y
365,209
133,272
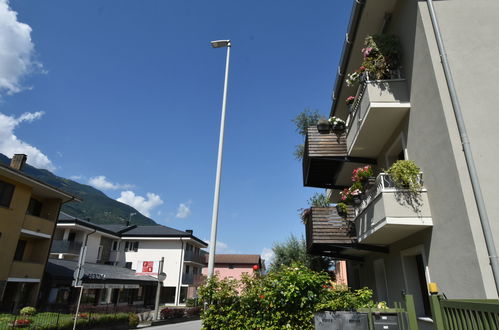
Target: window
x,y
231,266
132,246
115,246
187,268
183,295
128,265
21,245
6,192
34,207
71,236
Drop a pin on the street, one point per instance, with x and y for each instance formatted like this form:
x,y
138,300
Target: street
x,y
192,325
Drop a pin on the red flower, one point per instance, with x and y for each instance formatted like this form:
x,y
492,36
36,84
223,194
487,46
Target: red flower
x,y
262,296
362,68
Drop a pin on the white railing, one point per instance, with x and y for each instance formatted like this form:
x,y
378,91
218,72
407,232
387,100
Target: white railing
x,y
383,183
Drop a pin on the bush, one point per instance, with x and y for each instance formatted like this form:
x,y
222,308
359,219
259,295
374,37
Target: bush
x,y
193,311
133,320
192,302
28,311
172,313
285,298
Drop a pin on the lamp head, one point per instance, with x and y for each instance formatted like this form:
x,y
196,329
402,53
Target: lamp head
x,y
220,43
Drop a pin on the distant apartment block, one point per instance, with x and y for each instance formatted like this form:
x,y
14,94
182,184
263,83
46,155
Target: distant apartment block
x,y
234,265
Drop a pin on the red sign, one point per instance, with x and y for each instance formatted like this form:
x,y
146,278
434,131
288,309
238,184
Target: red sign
x,y
147,266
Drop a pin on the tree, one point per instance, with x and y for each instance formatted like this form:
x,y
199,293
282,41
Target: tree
x,y
294,250
302,121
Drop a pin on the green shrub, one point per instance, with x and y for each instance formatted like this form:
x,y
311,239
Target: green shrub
x,y
133,320
28,311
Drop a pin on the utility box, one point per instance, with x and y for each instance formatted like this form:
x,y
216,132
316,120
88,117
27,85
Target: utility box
x,y
341,321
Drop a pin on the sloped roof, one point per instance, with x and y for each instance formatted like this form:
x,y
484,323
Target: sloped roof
x,y
250,259
59,268
130,231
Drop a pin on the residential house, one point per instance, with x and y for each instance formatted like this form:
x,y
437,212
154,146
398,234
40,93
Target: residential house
x,y
234,265
28,214
392,246
107,283
122,263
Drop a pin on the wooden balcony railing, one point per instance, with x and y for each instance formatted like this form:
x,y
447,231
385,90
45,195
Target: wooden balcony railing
x,y
327,231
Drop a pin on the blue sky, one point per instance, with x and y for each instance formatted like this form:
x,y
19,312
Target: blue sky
x,y
127,95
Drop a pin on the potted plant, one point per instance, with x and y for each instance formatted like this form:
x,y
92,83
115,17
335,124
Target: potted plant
x,y
405,175
352,195
349,101
381,56
342,209
338,125
356,77
323,126
364,175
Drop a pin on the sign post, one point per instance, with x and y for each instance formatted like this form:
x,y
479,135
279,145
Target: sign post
x,y
161,278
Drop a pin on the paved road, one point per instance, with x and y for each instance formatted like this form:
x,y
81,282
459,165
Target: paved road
x,y
191,325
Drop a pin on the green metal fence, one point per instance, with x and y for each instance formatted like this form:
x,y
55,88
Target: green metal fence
x,y
465,314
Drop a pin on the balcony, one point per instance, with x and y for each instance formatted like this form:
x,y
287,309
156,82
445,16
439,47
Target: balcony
x,y
379,109
389,214
25,269
191,256
36,225
325,230
193,279
65,247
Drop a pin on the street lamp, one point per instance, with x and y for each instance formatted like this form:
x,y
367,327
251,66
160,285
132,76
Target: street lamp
x,y
214,219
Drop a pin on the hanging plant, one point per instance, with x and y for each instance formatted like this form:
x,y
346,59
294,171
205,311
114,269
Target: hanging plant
x,y
381,55
405,175
342,209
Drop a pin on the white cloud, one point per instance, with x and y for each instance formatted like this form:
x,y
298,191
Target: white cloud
x,y
76,177
16,50
267,255
140,203
10,144
220,248
184,210
100,182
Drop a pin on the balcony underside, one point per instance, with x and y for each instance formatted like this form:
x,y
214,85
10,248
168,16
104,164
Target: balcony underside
x,y
391,230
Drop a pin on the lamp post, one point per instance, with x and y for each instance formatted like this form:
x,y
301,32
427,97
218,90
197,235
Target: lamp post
x,y
214,219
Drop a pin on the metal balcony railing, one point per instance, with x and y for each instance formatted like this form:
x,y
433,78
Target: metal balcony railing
x,y
194,257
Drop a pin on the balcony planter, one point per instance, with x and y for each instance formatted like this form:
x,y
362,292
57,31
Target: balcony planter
x,y
357,199
338,126
323,126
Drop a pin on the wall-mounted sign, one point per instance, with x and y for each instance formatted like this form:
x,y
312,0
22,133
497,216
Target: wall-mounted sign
x,y
147,268
95,276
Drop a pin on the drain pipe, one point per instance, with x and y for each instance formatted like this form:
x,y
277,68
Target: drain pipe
x,y
482,211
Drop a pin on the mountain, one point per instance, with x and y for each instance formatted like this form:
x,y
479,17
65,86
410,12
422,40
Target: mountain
x,y
96,206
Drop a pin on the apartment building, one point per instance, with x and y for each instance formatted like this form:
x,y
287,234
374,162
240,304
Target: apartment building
x,y
182,259
391,246
28,214
122,263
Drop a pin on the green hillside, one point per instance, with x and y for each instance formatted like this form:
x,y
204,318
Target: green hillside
x,y
95,206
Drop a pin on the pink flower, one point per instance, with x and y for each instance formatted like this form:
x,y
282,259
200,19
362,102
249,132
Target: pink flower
x,y
366,51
